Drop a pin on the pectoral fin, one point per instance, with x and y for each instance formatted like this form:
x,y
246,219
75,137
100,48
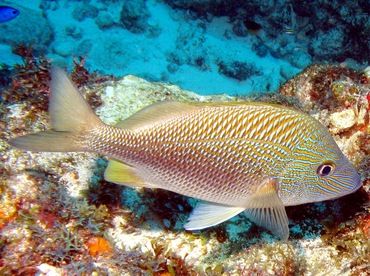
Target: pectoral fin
x,y
207,214
266,209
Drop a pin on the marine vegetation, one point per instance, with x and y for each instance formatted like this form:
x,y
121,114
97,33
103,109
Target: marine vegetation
x,y
30,80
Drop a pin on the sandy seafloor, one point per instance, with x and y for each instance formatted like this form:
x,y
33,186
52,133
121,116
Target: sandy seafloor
x,y
55,206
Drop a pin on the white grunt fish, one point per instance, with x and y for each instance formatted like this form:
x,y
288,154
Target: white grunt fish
x,y
251,157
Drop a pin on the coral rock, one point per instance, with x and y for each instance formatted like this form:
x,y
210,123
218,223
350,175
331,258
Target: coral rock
x,y
342,120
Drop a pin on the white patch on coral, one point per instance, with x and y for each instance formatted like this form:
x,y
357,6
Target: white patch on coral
x,y
342,120
319,257
48,270
142,239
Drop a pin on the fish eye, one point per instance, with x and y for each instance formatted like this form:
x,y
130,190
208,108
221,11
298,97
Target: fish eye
x,y
326,169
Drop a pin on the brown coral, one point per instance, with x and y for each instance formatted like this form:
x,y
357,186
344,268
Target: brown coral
x,y
328,86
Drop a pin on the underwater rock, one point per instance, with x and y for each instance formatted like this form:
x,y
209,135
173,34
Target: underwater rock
x,y
304,8
64,48
104,20
84,10
154,29
49,270
328,45
231,8
332,31
328,86
260,49
134,16
287,72
299,59
73,31
237,69
199,7
5,78
239,29
84,47
342,121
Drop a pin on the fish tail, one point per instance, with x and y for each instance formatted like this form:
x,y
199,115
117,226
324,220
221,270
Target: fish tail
x,y
71,119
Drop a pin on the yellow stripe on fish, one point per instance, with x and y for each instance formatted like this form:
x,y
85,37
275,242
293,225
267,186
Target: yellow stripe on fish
x,y
251,157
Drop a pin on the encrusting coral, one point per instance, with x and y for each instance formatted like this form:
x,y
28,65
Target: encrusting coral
x,y
58,214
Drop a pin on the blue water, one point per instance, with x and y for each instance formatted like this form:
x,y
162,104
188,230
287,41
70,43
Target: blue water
x,y
207,49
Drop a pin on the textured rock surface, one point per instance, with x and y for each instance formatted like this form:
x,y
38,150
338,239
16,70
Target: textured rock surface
x,y
343,120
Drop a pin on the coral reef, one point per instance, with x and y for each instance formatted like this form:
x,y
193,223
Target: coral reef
x,y
167,40
30,83
324,29
104,21
328,86
58,215
134,16
158,43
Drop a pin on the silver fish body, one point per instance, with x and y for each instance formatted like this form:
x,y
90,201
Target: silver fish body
x,y
208,149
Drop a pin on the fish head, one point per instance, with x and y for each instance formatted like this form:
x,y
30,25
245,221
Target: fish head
x,y
317,171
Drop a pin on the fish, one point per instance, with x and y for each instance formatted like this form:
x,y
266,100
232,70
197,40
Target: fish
x,y
247,157
7,13
252,26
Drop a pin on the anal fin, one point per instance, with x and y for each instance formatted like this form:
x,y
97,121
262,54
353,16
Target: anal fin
x,y
207,214
121,173
266,209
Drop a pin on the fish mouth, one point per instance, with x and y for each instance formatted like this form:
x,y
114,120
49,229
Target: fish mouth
x,y
358,185
348,185
356,179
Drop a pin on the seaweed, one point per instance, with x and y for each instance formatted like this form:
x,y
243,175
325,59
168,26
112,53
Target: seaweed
x,y
30,81
323,81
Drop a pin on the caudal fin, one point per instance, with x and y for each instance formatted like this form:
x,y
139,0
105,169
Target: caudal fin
x,y
71,117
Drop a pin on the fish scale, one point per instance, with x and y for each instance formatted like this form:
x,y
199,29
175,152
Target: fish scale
x,y
212,150
251,157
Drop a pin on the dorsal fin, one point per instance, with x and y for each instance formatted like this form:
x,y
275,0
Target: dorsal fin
x,y
156,113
